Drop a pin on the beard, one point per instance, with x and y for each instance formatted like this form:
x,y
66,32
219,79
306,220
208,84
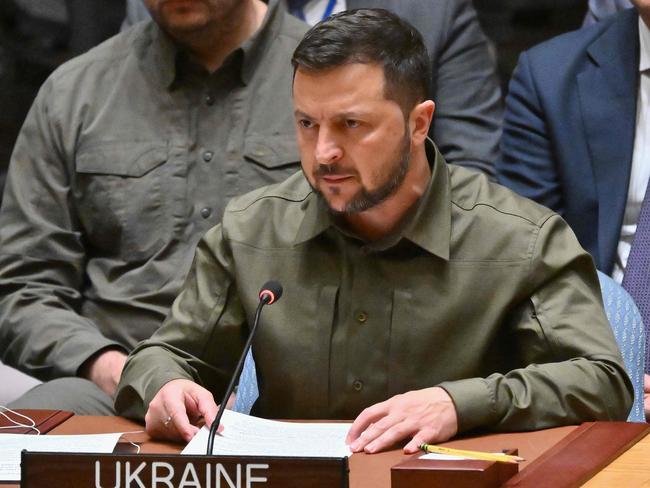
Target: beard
x,y
184,20
365,198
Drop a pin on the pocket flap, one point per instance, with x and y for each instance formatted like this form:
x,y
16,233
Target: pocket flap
x,y
133,159
274,151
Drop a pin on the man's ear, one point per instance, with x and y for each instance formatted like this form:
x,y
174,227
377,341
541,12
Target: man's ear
x,y
420,121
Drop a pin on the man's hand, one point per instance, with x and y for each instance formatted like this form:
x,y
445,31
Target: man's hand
x,y
177,408
425,416
105,370
646,396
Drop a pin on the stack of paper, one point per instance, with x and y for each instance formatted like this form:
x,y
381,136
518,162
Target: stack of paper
x,y
244,435
12,444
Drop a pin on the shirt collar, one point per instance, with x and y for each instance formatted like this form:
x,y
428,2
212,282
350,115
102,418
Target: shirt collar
x,y
428,224
644,38
162,55
255,48
157,54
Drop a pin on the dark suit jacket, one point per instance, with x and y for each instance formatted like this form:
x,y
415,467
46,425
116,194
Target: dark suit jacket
x,y
467,122
569,128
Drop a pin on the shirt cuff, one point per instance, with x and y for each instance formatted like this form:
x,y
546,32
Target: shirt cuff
x,y
143,376
474,401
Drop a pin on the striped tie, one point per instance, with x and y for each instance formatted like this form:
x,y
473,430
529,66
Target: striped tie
x,y
636,279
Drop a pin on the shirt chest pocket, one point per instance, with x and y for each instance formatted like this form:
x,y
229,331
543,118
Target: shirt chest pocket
x,y
129,198
269,159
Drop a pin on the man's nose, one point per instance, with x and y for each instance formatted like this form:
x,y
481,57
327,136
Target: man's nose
x,y
328,150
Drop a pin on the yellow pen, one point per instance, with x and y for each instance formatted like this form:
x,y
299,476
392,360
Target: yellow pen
x,y
484,456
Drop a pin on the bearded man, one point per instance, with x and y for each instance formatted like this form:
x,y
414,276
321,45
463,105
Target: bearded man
x,y
419,298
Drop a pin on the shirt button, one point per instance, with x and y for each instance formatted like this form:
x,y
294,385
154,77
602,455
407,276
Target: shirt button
x,y
209,100
362,317
357,385
206,212
207,156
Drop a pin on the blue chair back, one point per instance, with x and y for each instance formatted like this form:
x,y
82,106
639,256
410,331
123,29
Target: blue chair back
x,y
624,317
247,391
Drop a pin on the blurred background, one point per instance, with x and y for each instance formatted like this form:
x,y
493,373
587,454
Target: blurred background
x,y
38,35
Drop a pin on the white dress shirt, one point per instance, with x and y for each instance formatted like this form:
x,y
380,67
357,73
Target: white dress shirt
x,y
640,159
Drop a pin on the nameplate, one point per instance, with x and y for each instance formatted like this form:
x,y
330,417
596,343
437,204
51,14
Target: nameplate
x,y
45,470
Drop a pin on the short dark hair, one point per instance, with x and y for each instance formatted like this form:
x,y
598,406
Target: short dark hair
x,y
370,36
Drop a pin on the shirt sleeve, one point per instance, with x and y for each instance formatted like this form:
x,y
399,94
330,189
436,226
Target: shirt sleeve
x,y
469,109
572,370
201,339
42,254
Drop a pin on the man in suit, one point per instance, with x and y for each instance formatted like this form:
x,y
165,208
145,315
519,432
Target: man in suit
x,y
576,137
463,81
600,9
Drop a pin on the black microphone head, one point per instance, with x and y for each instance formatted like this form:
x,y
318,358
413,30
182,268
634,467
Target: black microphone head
x,y
271,292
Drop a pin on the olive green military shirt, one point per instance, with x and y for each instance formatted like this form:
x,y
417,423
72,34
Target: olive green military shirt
x,y
127,157
480,291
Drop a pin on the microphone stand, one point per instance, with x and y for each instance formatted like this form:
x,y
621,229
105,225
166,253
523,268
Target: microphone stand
x,y
265,299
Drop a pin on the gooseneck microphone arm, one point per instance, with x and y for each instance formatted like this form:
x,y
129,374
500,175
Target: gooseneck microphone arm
x,y
270,293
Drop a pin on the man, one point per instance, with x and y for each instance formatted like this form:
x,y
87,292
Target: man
x,y
600,9
463,80
128,155
418,297
576,134
570,132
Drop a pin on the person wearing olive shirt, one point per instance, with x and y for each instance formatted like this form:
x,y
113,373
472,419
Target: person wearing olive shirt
x,y
419,298
463,80
128,156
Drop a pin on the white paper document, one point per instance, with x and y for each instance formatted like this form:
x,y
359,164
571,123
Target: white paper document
x,y
243,435
12,444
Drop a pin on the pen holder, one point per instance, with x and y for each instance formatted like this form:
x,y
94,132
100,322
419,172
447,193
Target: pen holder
x,y
465,473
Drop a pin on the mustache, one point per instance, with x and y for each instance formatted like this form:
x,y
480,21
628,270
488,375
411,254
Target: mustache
x,y
333,169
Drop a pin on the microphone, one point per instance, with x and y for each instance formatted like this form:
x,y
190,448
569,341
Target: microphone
x,y
269,294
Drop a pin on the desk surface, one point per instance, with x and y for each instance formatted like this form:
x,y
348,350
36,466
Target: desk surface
x,y
373,471
630,470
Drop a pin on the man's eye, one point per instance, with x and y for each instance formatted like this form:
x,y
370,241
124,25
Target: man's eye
x,y
306,124
351,123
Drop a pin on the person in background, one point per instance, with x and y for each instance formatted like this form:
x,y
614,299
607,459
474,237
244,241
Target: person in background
x,y
419,298
128,155
463,80
599,9
576,138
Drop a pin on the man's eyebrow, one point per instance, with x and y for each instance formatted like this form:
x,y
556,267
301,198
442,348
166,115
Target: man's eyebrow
x,y
353,114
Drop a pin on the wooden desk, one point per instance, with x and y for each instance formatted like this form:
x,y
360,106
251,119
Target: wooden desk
x,y
632,469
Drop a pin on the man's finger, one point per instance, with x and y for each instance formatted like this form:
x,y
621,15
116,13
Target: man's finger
x,y
373,432
646,383
180,422
205,405
427,436
369,416
391,436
